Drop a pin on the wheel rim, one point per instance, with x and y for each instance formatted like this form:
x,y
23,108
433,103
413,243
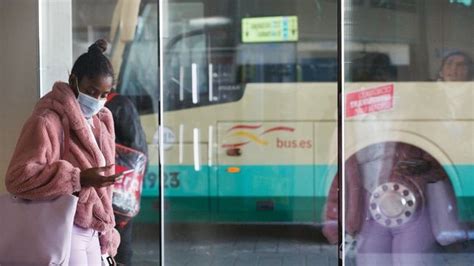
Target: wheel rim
x,y
393,204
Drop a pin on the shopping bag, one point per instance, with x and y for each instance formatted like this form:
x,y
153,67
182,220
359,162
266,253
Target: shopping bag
x,y
36,232
127,191
445,224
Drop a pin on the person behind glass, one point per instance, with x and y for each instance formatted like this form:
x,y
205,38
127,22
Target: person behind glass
x,y
128,132
456,66
67,147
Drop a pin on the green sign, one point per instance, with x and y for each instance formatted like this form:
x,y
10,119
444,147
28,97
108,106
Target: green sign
x,y
270,29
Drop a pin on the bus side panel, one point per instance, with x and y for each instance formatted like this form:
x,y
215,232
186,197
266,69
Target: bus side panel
x,y
266,171
465,193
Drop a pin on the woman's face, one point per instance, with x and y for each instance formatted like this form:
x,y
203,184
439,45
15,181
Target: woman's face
x,y
98,87
455,68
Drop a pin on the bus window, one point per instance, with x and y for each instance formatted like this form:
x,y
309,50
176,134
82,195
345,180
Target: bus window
x,y
212,56
138,78
407,43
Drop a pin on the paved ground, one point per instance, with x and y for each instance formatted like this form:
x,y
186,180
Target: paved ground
x,y
249,245
146,245
230,245
257,245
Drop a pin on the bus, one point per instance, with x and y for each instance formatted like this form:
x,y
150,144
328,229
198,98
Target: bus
x,y
250,101
240,119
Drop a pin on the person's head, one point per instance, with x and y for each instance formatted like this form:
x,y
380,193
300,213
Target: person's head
x,y
373,66
92,78
456,66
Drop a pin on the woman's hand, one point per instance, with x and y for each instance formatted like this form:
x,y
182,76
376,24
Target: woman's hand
x,y
92,177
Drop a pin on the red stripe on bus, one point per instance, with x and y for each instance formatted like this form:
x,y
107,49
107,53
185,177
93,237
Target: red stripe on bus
x,y
290,129
244,127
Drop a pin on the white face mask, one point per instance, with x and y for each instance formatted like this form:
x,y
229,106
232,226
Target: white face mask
x,y
90,106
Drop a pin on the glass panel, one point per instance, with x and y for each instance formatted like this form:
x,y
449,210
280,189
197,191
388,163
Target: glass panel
x,y
409,122
248,154
131,28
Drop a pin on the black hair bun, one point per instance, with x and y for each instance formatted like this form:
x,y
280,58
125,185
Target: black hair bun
x,y
100,46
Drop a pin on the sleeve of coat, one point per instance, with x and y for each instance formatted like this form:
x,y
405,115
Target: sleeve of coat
x,y
36,170
436,172
109,242
354,201
354,196
330,227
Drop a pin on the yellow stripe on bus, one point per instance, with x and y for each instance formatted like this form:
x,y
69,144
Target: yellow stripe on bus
x,y
250,136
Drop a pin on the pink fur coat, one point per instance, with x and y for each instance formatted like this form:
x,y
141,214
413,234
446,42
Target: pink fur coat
x,y
53,148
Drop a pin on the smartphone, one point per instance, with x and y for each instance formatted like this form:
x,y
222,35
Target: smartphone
x,y
122,174
127,171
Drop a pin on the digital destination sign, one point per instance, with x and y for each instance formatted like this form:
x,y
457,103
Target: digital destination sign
x,y
270,29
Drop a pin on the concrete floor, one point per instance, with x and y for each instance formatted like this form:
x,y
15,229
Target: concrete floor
x,y
228,245
249,245
146,245
258,245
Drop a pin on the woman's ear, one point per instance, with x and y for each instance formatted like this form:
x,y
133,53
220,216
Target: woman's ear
x,y
74,84
72,80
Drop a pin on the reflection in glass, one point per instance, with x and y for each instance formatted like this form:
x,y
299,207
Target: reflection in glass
x,y
250,89
409,123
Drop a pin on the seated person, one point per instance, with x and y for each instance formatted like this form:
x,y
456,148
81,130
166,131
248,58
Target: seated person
x,y
456,66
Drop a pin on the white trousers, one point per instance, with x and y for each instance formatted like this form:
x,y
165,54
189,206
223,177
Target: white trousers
x,y
85,247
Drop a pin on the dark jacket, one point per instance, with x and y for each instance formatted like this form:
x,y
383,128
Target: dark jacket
x,y
128,129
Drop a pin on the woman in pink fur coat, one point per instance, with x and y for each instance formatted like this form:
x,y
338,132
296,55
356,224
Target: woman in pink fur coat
x,y
67,147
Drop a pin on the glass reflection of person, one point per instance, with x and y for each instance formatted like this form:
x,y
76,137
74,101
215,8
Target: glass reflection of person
x,y
456,66
386,230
